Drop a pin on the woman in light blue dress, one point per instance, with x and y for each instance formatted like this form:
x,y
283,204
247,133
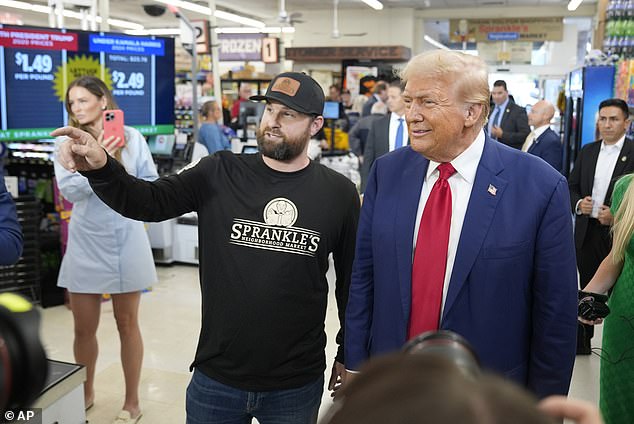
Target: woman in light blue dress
x,y
106,252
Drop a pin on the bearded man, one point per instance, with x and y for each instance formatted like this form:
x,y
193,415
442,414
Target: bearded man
x,y
264,242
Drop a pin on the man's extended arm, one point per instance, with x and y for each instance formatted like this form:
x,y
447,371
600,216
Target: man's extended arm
x,y
132,197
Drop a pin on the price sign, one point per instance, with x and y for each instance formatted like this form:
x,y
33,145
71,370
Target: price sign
x,y
36,66
30,76
41,63
131,80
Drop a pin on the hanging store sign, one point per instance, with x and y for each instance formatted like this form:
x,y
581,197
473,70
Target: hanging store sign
x,y
238,47
514,53
336,54
201,27
270,50
507,29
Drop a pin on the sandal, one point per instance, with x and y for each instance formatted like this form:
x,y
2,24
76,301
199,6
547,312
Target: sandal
x,y
125,417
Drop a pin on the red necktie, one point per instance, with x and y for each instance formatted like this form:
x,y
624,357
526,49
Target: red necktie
x,y
430,256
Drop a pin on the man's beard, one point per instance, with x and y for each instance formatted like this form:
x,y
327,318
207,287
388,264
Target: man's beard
x,y
286,149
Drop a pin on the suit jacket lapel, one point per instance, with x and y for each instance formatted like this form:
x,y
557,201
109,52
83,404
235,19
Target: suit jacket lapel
x,y
505,114
385,139
537,140
409,187
589,170
488,189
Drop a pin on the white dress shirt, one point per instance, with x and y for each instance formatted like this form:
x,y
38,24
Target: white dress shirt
x,y
608,156
461,184
394,127
533,136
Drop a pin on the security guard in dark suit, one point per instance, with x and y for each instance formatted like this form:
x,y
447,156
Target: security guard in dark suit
x,y
508,122
591,181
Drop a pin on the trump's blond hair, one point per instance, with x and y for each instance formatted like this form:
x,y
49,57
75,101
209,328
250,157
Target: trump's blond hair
x,y
467,75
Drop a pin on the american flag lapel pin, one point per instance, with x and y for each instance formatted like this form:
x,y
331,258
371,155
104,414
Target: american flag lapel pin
x,y
492,190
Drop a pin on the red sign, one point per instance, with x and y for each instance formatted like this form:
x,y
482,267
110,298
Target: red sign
x,y
36,39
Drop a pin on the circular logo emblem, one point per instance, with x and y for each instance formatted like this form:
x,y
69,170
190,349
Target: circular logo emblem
x,y
280,212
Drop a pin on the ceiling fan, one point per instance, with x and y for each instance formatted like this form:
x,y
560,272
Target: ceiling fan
x,y
288,18
335,25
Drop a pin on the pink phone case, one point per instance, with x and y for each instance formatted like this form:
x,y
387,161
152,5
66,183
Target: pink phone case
x,y
113,125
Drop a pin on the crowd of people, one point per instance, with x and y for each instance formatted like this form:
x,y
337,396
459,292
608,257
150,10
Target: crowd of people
x,y
466,225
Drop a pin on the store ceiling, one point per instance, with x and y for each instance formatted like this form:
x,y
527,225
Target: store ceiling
x,y
268,10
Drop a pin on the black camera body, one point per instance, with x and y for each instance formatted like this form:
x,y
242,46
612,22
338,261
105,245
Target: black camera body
x,y
23,364
449,345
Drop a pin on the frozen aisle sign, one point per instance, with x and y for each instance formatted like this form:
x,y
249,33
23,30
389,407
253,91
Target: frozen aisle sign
x,y
238,47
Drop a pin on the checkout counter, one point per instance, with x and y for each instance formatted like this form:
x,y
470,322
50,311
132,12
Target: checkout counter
x,y
62,399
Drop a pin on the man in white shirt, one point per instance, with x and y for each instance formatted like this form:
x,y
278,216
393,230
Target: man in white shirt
x,y
543,142
386,134
591,181
459,232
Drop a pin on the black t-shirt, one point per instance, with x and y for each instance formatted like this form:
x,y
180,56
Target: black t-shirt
x,y
264,240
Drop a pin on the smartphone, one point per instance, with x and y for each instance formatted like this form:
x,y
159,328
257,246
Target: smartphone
x,y
113,125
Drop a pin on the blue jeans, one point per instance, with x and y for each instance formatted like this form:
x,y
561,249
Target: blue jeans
x,y
211,402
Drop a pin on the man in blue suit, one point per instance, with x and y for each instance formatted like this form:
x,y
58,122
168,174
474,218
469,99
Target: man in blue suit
x,y
506,261
543,141
10,231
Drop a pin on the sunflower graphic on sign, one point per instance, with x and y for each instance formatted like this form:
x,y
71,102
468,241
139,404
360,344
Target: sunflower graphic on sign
x,y
79,66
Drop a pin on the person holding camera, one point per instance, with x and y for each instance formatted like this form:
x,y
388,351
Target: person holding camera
x,y
10,230
106,252
616,272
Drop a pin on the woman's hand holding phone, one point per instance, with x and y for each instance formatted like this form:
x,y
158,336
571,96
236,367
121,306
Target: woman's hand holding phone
x,y
111,144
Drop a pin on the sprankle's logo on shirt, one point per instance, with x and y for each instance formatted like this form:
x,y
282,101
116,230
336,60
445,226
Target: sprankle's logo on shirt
x,y
277,232
280,212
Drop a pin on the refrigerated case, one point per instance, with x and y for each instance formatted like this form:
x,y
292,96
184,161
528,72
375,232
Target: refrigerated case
x,y
585,88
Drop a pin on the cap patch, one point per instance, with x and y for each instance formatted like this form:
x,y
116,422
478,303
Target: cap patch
x,y
286,86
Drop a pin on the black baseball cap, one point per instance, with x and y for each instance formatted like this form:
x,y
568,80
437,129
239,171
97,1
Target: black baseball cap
x,y
297,91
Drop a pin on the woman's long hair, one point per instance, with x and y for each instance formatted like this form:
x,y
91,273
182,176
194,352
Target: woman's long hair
x,y
99,89
623,224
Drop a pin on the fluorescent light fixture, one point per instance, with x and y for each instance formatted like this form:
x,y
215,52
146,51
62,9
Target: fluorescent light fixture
x,y
67,13
574,4
218,13
225,30
154,31
435,43
25,6
122,24
266,30
374,4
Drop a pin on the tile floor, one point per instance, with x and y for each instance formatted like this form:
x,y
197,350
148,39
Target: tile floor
x,y
170,322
